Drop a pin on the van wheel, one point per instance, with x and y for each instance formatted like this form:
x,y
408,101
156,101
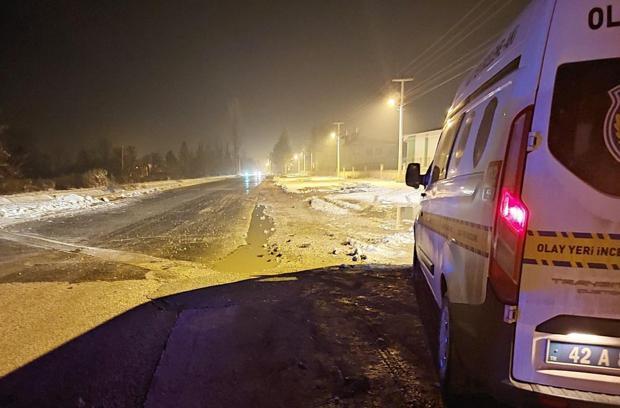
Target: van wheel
x,y
451,373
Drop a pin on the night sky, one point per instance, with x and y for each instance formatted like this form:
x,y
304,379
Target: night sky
x,y
153,73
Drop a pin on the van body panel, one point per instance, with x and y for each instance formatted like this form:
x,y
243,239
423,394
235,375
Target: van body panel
x,y
559,60
565,272
459,250
525,39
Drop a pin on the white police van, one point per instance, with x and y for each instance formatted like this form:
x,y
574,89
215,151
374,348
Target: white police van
x,y
518,236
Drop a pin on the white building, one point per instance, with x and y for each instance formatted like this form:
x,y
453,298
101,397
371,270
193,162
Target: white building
x,y
421,147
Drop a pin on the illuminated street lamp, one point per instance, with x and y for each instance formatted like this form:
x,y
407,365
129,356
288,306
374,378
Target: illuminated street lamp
x,y
336,135
400,105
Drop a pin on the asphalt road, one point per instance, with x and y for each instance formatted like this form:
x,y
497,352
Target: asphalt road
x,y
60,277
195,224
156,304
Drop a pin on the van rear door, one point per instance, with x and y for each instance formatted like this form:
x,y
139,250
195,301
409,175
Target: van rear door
x,y
568,320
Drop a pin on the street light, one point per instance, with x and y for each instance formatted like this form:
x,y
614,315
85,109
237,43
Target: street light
x,y
336,135
400,119
391,102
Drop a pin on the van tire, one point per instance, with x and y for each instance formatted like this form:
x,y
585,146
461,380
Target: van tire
x,y
452,376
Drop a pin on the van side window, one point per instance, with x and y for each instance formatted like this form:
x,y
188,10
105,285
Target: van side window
x,y
484,130
461,141
444,148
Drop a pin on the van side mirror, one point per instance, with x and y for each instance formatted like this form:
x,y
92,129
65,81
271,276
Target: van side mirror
x,y
413,177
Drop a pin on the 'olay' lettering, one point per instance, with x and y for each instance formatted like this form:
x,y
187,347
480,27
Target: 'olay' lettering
x,y
598,18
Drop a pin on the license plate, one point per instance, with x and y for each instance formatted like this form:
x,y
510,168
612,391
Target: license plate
x,y
583,355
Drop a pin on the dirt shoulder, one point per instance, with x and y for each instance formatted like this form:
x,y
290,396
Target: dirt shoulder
x,y
309,238
328,337
325,337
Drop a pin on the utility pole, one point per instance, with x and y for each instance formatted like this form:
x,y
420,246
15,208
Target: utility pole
x,y
400,120
338,124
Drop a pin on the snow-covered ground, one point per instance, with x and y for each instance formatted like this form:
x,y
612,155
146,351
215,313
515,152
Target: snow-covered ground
x,y
393,245
338,196
376,215
36,205
305,184
47,205
325,206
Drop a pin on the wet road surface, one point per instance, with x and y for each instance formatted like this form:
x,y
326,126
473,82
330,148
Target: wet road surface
x,y
197,224
60,277
161,303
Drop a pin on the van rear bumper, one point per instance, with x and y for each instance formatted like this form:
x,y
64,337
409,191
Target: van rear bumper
x,y
586,399
491,336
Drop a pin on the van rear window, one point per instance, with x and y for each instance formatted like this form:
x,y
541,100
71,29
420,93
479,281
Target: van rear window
x,y
584,129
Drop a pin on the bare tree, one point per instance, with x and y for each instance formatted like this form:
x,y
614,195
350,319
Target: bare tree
x,y
281,153
234,113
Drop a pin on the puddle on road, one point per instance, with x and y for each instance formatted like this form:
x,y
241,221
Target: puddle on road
x,y
251,181
404,215
396,217
253,257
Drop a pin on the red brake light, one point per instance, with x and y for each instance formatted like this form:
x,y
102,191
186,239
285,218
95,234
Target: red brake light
x,y
512,214
513,211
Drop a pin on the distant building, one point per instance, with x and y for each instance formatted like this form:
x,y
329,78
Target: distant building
x,y
369,154
421,147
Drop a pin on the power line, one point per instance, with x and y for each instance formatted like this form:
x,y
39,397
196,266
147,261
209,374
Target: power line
x,y
386,85
367,103
434,59
458,70
450,42
447,81
465,59
453,37
437,41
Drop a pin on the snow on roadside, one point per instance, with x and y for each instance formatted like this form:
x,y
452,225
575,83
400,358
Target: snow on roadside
x,y
13,212
387,247
343,203
393,195
300,185
325,206
37,205
339,195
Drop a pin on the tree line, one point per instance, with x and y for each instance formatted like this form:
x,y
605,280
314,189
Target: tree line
x,y
319,144
25,166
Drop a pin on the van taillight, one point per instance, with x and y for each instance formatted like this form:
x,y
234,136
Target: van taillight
x,y
512,214
513,211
